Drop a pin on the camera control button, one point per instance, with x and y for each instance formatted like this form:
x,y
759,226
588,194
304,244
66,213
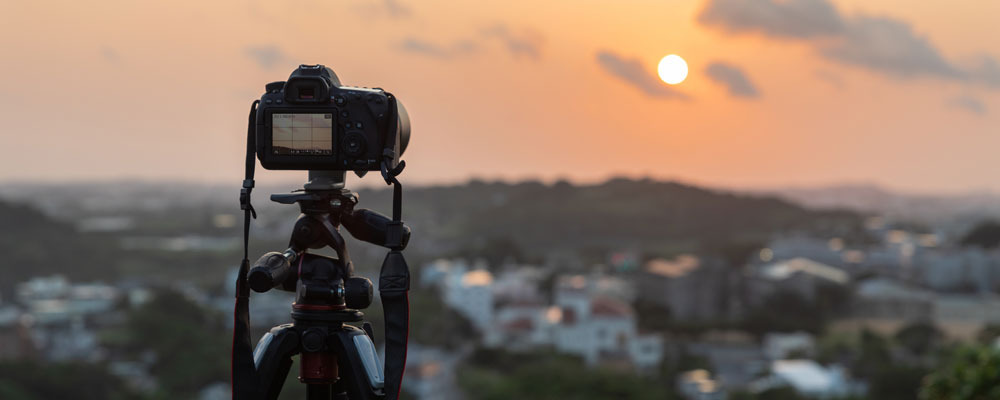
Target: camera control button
x,y
340,101
268,101
358,125
279,101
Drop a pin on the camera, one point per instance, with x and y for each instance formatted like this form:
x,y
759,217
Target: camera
x,y
312,122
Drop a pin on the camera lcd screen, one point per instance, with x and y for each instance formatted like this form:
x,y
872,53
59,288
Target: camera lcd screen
x,y
302,134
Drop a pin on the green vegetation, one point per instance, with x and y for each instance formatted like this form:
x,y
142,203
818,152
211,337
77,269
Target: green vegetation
x,y
986,235
33,381
191,344
972,373
787,311
654,217
497,375
38,245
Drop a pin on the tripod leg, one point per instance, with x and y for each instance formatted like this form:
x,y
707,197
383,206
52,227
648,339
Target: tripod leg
x,y
273,358
318,392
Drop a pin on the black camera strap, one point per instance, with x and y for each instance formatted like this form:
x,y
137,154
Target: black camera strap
x,y
393,289
244,373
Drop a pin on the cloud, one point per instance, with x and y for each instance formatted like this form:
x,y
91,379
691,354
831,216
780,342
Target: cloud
x,y
733,78
396,9
110,54
631,71
968,103
787,18
527,43
881,44
267,56
830,78
987,72
889,46
385,8
422,47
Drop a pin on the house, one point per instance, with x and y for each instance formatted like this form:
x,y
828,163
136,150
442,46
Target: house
x,y
779,346
890,299
810,379
471,294
799,275
690,287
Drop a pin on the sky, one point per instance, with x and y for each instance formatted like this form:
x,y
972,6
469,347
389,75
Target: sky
x,y
897,93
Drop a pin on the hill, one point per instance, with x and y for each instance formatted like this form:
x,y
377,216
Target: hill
x,y
652,216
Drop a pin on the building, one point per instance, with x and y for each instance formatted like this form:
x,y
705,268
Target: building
x,y
779,346
885,298
809,378
799,275
692,289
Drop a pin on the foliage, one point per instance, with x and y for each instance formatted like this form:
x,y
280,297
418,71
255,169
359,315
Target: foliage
x,y
785,311
33,381
38,245
191,344
919,338
498,375
973,373
620,213
986,235
988,334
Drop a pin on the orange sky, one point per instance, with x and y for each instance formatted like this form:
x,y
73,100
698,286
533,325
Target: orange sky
x,y
500,89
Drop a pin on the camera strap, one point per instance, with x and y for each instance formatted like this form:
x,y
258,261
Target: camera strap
x,y
244,373
393,288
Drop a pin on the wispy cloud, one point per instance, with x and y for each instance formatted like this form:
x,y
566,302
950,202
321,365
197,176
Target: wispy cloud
x,y
267,56
425,48
792,19
881,44
384,8
110,54
632,72
733,78
968,103
525,43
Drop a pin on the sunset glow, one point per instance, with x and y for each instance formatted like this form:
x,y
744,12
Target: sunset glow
x,y
516,90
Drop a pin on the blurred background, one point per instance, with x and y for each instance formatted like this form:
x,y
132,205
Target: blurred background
x,y
807,210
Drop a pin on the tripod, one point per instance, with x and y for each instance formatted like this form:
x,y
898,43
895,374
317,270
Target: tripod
x,y
337,360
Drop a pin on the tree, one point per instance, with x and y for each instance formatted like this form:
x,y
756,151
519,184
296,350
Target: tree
x,y
33,381
491,374
919,338
988,334
973,373
191,344
986,235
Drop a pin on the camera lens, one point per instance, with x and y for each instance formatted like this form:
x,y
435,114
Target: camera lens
x,y
403,127
354,144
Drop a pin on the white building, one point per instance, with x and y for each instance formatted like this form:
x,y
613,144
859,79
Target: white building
x,y
809,378
779,346
595,326
471,294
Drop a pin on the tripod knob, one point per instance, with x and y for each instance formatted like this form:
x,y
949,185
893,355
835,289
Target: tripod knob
x,y
270,271
358,292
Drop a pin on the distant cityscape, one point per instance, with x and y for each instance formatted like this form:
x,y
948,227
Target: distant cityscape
x,y
782,315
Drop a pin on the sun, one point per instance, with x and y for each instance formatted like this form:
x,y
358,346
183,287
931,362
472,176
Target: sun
x,y
672,69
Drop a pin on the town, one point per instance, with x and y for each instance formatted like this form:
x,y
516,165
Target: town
x,y
863,315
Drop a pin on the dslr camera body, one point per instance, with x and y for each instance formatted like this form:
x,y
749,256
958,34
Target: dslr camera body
x,y
312,122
